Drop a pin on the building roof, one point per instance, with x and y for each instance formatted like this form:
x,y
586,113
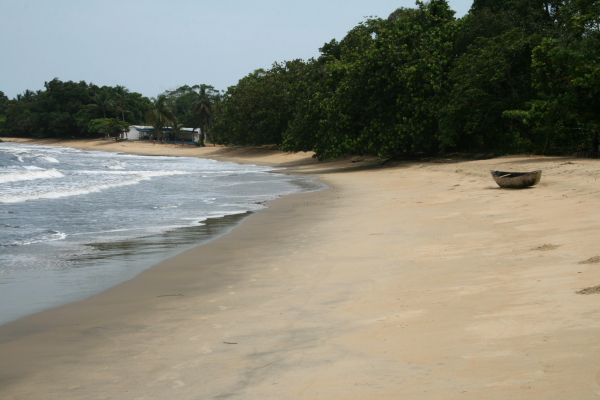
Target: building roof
x,y
143,128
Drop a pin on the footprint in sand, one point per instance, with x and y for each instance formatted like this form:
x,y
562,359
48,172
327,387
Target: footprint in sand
x,y
547,247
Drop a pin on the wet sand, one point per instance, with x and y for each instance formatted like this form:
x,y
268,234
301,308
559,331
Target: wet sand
x,y
419,280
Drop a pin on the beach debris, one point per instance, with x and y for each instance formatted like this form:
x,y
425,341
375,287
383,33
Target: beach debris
x,y
590,290
169,295
593,260
229,342
547,247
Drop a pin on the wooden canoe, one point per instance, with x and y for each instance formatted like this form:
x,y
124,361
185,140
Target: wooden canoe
x,y
516,180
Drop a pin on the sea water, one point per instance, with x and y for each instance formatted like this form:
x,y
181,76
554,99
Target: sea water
x,y
75,222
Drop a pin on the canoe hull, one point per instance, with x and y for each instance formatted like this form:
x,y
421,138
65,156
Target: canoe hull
x,y
516,180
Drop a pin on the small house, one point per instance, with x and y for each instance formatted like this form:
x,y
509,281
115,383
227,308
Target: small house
x,y
140,132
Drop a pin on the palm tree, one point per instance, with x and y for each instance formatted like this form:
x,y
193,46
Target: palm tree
x,y
202,112
27,96
103,102
177,129
161,114
121,93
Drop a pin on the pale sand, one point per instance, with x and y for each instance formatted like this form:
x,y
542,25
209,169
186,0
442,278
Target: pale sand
x,y
410,281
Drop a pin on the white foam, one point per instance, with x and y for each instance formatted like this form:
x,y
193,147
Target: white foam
x,y
152,174
55,194
30,175
107,231
141,232
50,236
115,165
166,207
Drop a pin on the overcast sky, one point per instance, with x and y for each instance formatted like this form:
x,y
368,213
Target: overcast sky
x,y
153,45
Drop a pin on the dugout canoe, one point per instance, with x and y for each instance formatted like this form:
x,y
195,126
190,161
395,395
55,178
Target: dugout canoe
x,y
516,180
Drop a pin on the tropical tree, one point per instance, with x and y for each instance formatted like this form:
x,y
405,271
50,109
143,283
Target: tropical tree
x,y
65,109
176,129
3,100
257,110
492,76
389,82
27,96
160,114
121,94
202,112
308,85
139,106
61,109
103,102
108,127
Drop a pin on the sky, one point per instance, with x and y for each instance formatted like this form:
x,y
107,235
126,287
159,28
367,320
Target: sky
x,y
150,46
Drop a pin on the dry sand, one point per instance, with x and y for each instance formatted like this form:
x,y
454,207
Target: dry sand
x,y
409,281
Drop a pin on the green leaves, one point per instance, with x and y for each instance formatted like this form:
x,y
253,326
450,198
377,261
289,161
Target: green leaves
x,y
259,109
493,76
160,114
110,127
65,109
387,87
512,75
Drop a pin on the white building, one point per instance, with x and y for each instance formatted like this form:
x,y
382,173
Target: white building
x,y
140,132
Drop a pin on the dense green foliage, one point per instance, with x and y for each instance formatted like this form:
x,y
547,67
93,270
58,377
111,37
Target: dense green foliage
x,y
161,115
109,127
193,107
512,75
565,111
66,109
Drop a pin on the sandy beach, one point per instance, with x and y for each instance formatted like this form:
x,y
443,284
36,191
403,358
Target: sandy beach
x,y
413,280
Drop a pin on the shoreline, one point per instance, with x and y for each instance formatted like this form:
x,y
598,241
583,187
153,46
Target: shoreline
x,y
416,280
24,295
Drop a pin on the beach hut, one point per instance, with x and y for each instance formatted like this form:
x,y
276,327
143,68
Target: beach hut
x,y
142,132
133,133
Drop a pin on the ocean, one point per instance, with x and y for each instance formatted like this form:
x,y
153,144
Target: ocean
x,y
74,223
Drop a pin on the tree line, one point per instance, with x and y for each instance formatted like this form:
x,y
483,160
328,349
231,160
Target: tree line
x,y
510,76
78,109
66,109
